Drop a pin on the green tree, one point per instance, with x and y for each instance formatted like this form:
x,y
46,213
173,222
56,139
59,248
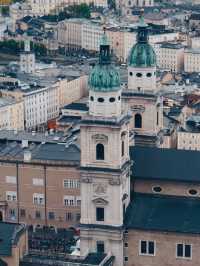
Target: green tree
x,y
78,11
5,10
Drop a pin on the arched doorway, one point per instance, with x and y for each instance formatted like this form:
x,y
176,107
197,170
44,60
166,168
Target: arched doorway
x,y
1,216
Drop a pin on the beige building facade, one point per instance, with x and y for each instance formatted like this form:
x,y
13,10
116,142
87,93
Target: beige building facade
x,y
170,56
188,140
40,193
192,60
11,114
70,33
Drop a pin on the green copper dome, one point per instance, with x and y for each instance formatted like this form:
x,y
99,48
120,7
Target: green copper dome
x,y
142,54
104,76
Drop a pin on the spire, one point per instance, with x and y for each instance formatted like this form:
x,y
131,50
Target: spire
x,y
104,56
142,34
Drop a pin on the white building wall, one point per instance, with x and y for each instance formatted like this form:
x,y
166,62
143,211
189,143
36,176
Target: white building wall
x,y
35,108
188,141
27,62
91,35
192,60
169,58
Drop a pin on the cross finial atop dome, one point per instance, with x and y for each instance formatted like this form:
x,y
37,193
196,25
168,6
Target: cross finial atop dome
x,y
104,55
141,19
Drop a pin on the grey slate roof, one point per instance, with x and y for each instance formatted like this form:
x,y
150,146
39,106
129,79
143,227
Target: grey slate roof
x,y
77,106
163,213
9,233
57,152
165,164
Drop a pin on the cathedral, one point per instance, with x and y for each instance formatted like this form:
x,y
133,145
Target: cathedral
x,y
135,208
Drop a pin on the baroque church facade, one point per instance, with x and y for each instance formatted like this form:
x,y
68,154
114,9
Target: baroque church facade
x,y
105,160
142,221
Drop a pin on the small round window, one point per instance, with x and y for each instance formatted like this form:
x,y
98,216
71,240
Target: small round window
x,y
139,75
112,99
119,98
193,192
149,75
92,98
157,189
131,73
100,100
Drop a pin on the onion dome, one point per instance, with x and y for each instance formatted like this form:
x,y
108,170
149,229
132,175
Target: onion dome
x,y
104,76
142,54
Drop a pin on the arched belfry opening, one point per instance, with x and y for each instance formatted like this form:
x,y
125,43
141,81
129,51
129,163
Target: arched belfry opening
x,y
100,151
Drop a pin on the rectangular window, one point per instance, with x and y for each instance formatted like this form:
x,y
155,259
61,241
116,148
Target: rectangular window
x,y
12,214
37,214
51,216
22,212
11,195
38,182
71,183
183,251
68,216
11,179
38,199
78,217
147,248
100,247
100,214
69,201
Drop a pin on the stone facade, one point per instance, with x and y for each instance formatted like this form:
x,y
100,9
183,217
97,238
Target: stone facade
x,y
20,183
150,110
167,188
165,248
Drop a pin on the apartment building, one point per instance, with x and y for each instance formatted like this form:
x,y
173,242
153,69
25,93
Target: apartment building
x,y
40,103
188,140
11,113
91,34
40,183
70,33
45,7
170,56
192,60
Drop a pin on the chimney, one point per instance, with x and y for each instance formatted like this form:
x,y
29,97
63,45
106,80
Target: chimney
x,y
27,156
24,143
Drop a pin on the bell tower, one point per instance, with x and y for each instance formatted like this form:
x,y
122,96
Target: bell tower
x,y
27,58
105,162
141,96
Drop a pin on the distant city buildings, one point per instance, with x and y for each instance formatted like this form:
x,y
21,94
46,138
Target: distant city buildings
x,y
170,56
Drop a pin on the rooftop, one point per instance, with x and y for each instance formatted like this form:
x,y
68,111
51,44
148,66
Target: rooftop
x,y
77,106
165,164
4,101
155,212
170,45
9,234
91,259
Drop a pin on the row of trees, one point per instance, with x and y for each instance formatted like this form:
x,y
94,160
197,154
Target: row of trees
x,y
14,47
75,11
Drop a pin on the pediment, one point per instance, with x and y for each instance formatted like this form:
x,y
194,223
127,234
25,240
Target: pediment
x,y
100,137
100,201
